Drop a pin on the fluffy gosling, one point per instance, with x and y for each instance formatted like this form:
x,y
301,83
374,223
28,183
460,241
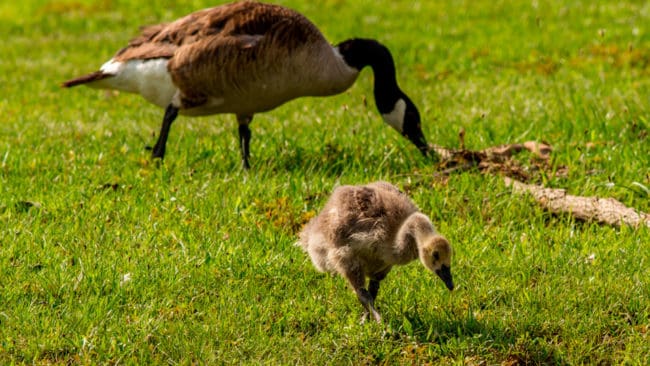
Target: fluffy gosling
x,y
363,231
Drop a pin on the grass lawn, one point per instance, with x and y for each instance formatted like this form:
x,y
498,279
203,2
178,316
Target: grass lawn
x,y
107,258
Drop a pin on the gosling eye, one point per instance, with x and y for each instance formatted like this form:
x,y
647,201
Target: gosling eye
x,y
436,256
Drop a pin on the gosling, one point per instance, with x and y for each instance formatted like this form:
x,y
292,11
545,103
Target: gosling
x,y
363,231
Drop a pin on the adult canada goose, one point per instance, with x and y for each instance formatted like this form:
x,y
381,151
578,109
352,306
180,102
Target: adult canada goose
x,y
246,58
364,230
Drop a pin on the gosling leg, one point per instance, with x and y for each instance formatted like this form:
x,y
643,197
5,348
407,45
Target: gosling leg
x,y
368,303
373,286
357,279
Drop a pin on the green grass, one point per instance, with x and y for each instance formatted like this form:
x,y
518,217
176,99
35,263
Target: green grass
x,y
105,258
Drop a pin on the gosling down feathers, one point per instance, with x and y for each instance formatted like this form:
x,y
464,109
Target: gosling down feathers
x,y
363,231
245,58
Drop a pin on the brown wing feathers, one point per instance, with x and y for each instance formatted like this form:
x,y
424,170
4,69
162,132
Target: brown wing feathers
x,y
238,19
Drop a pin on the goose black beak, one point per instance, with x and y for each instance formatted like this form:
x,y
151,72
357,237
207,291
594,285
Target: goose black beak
x,y
413,131
445,275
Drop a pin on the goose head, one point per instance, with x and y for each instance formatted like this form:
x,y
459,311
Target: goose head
x,y
405,118
395,107
435,254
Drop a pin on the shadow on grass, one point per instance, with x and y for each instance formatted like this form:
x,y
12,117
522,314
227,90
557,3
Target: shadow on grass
x,y
515,346
332,159
329,160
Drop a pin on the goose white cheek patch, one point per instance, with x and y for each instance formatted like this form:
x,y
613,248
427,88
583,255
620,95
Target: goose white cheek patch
x,y
396,117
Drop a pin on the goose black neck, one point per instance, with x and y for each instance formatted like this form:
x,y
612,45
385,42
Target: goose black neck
x,y
359,53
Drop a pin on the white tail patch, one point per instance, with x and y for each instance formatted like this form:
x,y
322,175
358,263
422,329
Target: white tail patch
x,y
396,117
148,78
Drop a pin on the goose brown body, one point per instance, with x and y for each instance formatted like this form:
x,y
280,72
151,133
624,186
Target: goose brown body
x,y
242,58
363,231
217,61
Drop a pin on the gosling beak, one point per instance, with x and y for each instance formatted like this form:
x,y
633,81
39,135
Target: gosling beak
x,y
445,275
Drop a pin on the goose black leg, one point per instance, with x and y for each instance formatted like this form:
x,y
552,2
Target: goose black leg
x,y
170,115
244,139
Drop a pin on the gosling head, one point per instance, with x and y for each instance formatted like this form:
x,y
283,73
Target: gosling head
x,y
435,255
